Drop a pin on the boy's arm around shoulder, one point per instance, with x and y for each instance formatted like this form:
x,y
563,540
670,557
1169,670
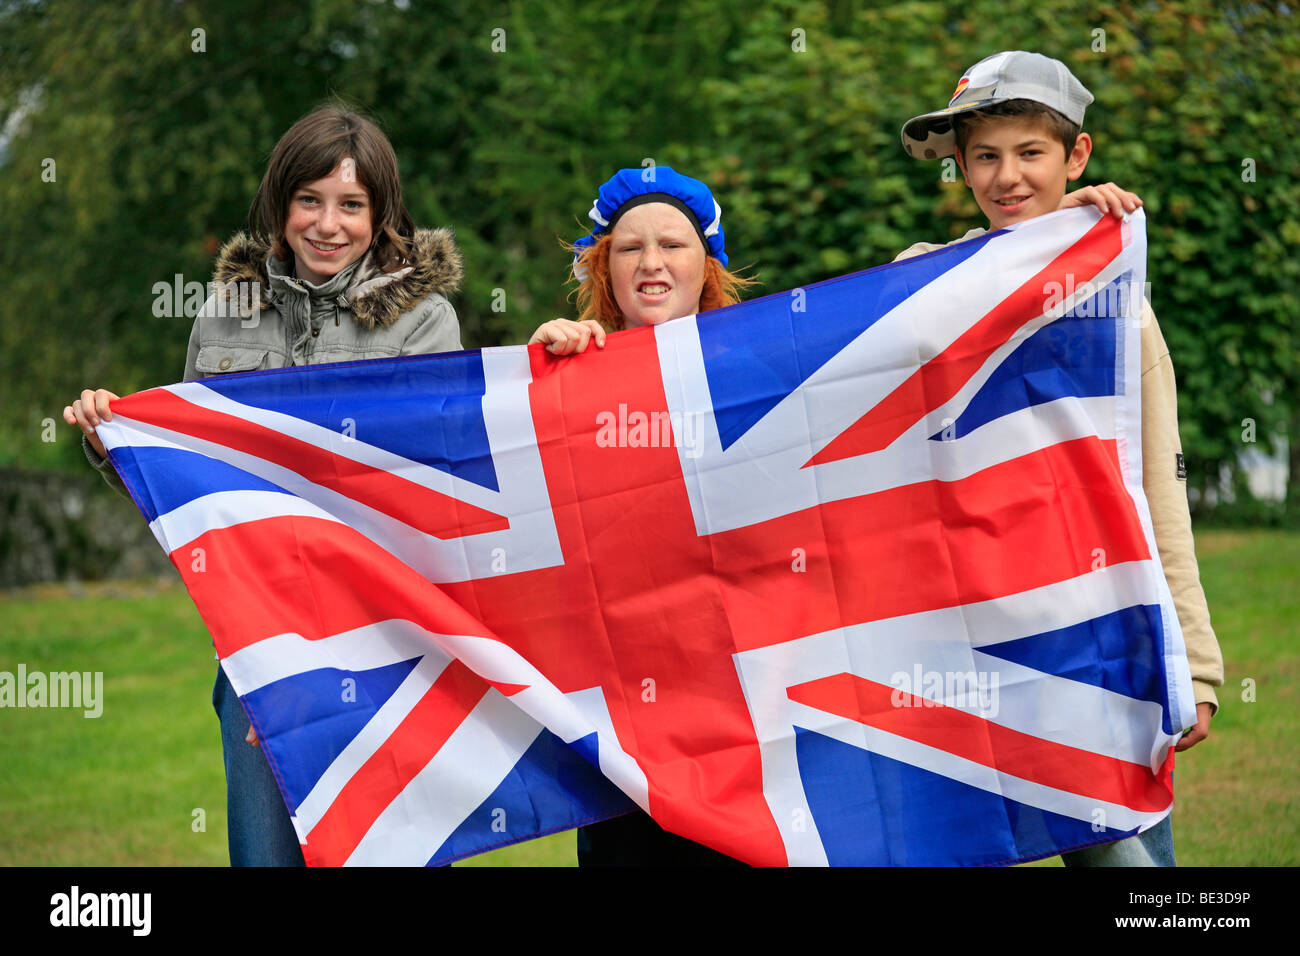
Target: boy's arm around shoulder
x,y
1165,485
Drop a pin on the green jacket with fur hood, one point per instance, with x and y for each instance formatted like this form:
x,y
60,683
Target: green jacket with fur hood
x,y
260,316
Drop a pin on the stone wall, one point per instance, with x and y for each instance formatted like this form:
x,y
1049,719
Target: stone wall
x,y
69,527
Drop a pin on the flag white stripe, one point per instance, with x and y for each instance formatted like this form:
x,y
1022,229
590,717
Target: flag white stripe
x,y
360,649
364,745
225,509
465,772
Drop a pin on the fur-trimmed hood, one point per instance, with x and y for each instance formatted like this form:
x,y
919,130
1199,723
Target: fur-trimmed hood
x,y
375,298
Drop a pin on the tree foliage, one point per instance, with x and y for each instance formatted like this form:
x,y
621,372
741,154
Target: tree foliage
x,y
134,136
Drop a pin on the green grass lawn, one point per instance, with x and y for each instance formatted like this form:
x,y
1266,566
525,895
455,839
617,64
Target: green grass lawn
x,y
143,785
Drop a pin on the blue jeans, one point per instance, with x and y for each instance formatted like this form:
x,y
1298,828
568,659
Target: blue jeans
x,y
257,821
1154,847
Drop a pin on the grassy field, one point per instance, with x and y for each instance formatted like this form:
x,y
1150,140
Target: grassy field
x,y
143,785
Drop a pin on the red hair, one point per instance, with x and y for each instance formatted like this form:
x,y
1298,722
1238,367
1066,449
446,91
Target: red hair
x,y
596,292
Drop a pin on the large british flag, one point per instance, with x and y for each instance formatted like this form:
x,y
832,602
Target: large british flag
x,y
861,573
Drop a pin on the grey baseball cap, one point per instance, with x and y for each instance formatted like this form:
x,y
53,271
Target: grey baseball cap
x,y
1011,75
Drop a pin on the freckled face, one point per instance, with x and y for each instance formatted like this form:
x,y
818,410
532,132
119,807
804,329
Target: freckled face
x,y
329,225
656,265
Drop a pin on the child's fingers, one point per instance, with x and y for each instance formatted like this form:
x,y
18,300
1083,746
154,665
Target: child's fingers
x,y
79,418
1131,200
102,397
568,337
575,337
1107,201
1108,198
565,340
87,401
550,333
94,405
1120,201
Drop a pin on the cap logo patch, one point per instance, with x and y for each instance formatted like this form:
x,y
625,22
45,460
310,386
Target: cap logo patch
x,y
961,85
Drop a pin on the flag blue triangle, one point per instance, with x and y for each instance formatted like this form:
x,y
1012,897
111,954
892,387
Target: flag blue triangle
x,y
306,720
1071,356
872,810
1122,652
554,786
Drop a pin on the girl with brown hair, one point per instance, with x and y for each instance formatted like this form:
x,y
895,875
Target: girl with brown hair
x,y
333,270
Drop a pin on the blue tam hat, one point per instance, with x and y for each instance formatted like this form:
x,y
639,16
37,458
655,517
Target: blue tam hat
x,y
629,188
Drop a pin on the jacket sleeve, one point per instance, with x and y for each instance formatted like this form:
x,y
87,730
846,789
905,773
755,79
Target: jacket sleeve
x,y
104,467
1165,485
436,328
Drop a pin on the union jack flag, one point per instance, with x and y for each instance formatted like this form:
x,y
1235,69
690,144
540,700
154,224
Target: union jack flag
x,y
861,573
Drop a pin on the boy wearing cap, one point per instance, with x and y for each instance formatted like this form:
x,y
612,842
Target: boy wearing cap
x,y
1013,125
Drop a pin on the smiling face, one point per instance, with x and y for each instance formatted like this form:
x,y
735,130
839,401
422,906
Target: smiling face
x,y
1018,170
329,224
656,265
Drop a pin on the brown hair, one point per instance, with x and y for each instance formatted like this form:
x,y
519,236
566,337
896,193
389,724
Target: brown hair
x,y
596,293
1058,126
309,151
